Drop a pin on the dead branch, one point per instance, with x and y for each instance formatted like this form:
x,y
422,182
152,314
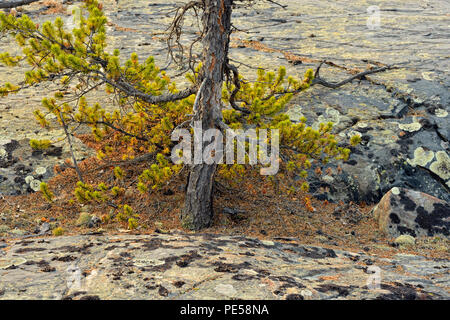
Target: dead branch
x,y
237,87
360,75
175,31
284,6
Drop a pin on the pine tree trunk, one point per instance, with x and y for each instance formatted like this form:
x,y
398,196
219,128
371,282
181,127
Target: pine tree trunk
x,y
198,210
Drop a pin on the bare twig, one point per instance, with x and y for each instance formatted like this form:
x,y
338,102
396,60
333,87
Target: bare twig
x,y
278,4
175,32
360,75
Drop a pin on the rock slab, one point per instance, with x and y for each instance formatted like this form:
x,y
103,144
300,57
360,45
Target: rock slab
x,y
205,266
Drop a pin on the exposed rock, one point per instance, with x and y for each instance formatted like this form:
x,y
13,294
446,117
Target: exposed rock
x,y
94,221
84,219
404,211
267,243
226,290
44,228
18,232
208,266
405,240
388,156
22,169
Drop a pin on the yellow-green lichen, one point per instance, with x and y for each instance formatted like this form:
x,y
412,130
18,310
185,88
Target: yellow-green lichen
x,y
410,127
395,191
441,166
362,124
331,115
441,113
421,157
405,240
83,219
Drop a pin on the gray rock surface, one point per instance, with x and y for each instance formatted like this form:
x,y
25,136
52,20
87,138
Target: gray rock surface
x,y
22,169
205,266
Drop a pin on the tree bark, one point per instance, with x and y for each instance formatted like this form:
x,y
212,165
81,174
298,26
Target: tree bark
x,y
17,3
216,19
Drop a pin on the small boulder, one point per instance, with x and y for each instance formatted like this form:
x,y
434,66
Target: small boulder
x,y
405,240
44,228
84,219
404,211
94,221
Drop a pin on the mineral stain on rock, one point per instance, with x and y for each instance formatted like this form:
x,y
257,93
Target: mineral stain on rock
x,y
405,211
401,291
342,291
436,221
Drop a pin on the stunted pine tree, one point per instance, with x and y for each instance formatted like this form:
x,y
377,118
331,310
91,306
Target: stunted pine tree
x,y
150,106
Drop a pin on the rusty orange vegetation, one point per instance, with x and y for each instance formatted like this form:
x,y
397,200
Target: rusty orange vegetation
x,y
266,212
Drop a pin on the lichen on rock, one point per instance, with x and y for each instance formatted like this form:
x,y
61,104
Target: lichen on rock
x,y
40,170
441,166
421,157
405,240
441,113
410,127
35,185
156,266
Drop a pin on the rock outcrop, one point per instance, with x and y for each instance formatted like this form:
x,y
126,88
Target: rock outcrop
x,y
206,266
403,211
22,169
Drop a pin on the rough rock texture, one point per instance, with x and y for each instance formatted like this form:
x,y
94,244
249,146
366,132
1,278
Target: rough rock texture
x,y
404,211
22,169
402,115
204,266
